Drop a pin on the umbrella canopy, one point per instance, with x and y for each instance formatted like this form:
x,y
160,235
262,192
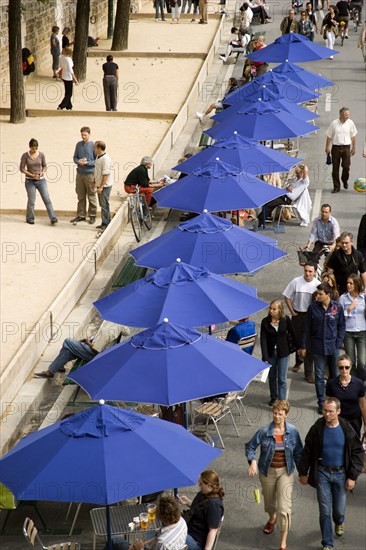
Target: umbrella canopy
x,y
113,454
277,83
168,364
243,153
210,242
189,296
267,97
262,122
293,47
219,191
302,76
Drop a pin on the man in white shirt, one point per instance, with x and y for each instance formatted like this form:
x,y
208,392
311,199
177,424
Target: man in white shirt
x,y
341,144
104,180
298,296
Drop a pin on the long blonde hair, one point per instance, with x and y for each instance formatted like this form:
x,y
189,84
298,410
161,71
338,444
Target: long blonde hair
x,y
280,307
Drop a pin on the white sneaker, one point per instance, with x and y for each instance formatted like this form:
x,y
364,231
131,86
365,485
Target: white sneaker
x,y
201,116
303,224
223,58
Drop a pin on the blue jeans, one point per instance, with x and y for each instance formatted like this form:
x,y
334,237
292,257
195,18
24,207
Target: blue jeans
x,y
190,2
356,342
320,362
71,349
192,544
159,4
103,199
331,493
32,186
277,377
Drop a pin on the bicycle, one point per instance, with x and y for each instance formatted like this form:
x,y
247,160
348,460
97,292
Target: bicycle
x,y
139,213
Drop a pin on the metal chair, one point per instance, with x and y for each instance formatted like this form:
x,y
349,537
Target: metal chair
x,y
245,343
312,106
218,534
30,532
290,207
216,411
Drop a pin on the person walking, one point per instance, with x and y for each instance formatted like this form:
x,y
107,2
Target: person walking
x,y
55,49
353,303
276,329
345,261
84,158
341,145
289,23
323,335
281,449
351,393
175,8
68,77
159,5
324,231
298,296
33,165
331,462
329,28
110,83
103,178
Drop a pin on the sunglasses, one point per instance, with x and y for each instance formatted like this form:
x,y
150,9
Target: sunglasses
x,y
344,368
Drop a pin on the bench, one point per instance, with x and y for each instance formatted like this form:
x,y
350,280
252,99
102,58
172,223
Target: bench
x,y
129,273
205,140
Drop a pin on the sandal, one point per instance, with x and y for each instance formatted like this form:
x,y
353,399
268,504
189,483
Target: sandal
x,y
269,528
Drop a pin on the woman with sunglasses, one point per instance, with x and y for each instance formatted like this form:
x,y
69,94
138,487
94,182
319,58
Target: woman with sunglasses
x,y
354,304
351,393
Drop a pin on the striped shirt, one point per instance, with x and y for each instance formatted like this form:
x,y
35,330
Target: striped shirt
x,y
172,537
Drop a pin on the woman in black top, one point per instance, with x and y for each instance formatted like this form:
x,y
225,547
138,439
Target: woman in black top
x,y
110,84
275,331
205,513
65,39
330,28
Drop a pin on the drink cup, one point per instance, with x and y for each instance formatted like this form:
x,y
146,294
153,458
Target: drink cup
x,y
144,520
257,495
151,511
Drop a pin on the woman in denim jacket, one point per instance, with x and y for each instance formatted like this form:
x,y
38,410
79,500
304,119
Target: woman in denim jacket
x,y
281,449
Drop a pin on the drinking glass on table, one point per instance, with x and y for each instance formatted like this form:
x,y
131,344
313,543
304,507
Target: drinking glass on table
x,y
151,510
144,519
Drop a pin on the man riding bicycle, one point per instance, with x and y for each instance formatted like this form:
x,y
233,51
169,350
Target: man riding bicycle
x,y
343,14
139,176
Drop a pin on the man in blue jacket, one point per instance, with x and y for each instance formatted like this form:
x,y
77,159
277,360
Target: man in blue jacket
x,y
325,328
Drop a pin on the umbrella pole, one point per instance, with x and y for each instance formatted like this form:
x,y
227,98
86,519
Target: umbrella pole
x,y
109,535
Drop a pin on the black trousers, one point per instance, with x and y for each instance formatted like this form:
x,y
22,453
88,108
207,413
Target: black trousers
x,y
66,102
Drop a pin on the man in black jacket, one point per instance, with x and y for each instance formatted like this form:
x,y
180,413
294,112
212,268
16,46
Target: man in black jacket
x,y
331,462
345,261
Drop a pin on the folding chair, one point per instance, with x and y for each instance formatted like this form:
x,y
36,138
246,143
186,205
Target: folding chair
x,y
312,106
216,411
292,208
245,343
30,532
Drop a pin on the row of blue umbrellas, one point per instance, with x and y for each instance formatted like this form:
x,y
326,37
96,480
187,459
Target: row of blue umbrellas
x,y
116,454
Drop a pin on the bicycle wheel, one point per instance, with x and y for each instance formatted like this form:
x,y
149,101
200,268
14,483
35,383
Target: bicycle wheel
x,y
135,222
146,217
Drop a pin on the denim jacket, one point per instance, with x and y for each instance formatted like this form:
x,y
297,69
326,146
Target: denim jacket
x,y
265,438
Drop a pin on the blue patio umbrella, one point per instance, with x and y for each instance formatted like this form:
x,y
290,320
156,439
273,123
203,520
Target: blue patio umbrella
x,y
210,242
277,83
166,365
187,295
293,47
243,153
262,122
267,97
103,455
302,76
212,187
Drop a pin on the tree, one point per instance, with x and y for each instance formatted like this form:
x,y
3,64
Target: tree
x,y
121,25
17,93
81,39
